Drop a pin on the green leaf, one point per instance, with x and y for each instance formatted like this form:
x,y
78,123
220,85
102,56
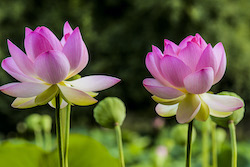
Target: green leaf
x,y
20,155
47,95
83,151
109,112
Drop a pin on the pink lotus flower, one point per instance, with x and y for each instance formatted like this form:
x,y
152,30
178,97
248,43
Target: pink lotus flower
x,y
44,69
183,74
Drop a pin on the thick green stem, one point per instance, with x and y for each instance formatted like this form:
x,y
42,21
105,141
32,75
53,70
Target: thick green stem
x,y
59,132
205,144
119,142
214,144
189,144
233,143
66,137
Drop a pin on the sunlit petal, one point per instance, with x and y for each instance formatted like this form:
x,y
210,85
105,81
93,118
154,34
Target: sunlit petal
x,y
168,101
35,44
94,83
52,66
219,113
166,110
203,113
190,55
153,65
222,103
24,89
21,60
75,49
11,68
220,54
188,108
23,103
207,59
156,88
76,96
53,40
174,70
200,81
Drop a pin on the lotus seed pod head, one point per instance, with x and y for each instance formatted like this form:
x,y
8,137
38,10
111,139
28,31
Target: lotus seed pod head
x,y
179,134
236,116
110,112
46,123
33,122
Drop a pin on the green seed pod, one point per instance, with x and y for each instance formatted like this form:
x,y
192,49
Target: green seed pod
x,y
236,116
34,122
109,112
179,134
46,123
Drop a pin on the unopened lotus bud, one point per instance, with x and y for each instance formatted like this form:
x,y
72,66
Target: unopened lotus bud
x,y
110,112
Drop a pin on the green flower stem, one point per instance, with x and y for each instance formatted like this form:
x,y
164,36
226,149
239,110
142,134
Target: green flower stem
x,y
66,137
214,144
38,137
119,142
205,144
48,140
233,143
59,132
189,144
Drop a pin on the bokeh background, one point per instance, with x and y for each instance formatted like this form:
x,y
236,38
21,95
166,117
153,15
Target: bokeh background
x,y
118,35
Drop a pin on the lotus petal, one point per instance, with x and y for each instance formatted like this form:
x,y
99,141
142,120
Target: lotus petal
x,y
222,103
35,44
76,97
21,60
188,108
24,89
174,70
156,88
200,81
52,66
166,110
23,103
94,83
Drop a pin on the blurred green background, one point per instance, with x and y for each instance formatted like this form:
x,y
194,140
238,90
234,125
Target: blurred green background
x,y
118,35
